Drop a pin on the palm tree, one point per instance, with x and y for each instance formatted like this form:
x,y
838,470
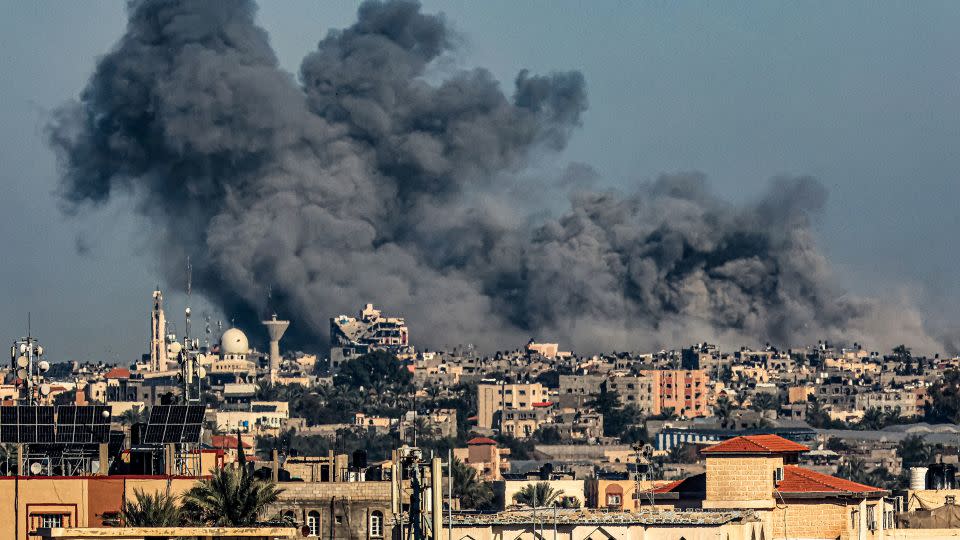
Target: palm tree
x,y
133,416
537,495
763,401
231,497
723,410
151,510
469,488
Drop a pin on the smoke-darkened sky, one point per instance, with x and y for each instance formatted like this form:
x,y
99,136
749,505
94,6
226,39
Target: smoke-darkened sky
x,y
861,97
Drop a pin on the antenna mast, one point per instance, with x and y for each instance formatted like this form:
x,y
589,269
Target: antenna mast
x,y
186,336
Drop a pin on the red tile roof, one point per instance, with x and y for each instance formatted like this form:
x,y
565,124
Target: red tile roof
x,y
118,373
227,442
667,488
756,444
481,440
542,404
799,480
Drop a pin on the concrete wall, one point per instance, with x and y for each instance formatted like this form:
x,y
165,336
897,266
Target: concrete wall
x,y
730,531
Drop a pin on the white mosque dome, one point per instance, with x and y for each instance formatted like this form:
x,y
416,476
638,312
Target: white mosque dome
x,y
234,341
174,348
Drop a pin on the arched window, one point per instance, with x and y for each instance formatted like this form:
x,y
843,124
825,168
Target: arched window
x,y
376,524
313,523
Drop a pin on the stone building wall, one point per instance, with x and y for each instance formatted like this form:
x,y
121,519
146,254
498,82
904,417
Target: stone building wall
x,y
741,482
343,510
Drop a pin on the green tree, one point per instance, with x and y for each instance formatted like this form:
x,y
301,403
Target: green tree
x,y
945,398
547,435
723,410
537,495
378,370
914,452
902,354
619,421
474,493
837,445
232,497
133,416
151,510
763,401
873,418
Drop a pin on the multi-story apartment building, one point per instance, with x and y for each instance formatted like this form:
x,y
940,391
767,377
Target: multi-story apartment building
x,y
371,331
651,390
683,390
497,399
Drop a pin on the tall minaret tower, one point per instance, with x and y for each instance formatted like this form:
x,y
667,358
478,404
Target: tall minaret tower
x,y
158,327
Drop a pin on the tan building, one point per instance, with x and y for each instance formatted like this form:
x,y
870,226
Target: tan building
x,y
30,503
759,472
485,457
494,400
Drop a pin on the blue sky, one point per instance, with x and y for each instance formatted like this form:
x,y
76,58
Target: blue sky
x,y
861,95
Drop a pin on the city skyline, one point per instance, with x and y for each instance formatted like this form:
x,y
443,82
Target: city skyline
x,y
98,267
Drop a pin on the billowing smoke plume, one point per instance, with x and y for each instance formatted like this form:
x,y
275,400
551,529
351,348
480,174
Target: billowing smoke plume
x,y
366,182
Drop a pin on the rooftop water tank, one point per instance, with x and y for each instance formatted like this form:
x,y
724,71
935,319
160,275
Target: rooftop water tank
x,y
918,478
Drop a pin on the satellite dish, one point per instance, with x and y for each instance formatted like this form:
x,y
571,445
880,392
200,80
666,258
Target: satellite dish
x,y
23,347
45,389
23,361
44,366
36,468
202,373
21,373
39,350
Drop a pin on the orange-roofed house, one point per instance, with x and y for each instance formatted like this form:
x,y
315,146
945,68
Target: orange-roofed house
x,y
759,472
483,454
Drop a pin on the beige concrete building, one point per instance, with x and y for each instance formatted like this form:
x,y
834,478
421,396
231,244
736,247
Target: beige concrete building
x,y
759,472
485,457
495,399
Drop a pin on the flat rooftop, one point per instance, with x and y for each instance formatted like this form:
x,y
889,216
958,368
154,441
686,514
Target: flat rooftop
x,y
600,517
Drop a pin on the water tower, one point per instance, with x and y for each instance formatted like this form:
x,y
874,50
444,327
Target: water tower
x,y
275,328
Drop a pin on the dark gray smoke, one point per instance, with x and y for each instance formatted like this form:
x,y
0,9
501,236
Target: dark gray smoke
x,y
365,182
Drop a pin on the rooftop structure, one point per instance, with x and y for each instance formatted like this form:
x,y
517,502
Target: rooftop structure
x,y
351,337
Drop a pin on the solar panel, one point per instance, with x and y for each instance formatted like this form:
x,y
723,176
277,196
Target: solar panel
x,y
84,424
26,424
175,424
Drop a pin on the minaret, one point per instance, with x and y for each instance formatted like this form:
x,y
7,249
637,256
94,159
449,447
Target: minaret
x,y
276,329
158,326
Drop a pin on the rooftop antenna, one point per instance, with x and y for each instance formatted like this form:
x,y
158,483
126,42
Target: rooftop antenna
x,y
186,334
207,330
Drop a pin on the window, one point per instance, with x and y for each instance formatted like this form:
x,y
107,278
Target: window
x,y
338,520
376,524
872,517
613,499
51,520
313,523
854,519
